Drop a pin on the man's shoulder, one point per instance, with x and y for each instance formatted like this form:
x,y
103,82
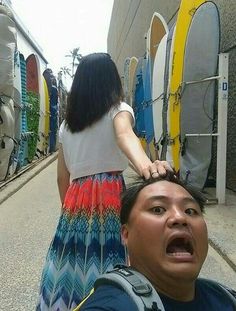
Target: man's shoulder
x,y
217,293
111,296
108,298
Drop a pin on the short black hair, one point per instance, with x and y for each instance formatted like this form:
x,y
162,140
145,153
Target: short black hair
x,y
129,195
96,88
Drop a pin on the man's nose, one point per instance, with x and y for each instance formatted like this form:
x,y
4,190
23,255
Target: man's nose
x,y
177,217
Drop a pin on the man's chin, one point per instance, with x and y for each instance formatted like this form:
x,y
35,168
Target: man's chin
x,y
184,271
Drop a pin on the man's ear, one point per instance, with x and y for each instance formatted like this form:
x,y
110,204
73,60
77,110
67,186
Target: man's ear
x,y
124,234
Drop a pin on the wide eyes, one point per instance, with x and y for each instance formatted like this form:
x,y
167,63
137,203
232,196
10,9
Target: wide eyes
x,y
191,211
158,210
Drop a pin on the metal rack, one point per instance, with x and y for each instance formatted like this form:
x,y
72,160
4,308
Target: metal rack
x,y
221,125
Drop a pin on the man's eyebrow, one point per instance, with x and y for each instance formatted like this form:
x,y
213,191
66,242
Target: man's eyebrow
x,y
166,198
158,197
190,199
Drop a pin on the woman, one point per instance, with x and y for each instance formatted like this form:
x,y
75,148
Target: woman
x,y
96,143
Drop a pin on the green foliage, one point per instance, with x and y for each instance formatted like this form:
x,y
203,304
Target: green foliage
x,y
32,112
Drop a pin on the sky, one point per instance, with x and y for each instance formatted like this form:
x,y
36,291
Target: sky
x,y
58,26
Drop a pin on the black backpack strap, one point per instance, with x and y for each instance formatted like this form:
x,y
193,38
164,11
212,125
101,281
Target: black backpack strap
x,y
135,285
229,292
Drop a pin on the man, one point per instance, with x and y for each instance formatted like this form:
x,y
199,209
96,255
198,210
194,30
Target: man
x,y
166,237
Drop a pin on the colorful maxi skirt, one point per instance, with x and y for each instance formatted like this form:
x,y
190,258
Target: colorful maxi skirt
x,y
87,241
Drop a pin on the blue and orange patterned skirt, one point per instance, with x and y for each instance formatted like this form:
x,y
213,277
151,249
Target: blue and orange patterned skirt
x,y
87,241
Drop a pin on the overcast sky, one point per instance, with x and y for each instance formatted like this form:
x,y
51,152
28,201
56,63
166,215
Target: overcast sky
x,y
61,25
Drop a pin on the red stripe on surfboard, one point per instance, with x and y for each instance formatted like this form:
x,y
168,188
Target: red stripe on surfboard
x,y
32,81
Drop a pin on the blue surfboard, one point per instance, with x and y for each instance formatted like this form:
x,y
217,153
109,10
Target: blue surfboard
x,y
138,101
23,155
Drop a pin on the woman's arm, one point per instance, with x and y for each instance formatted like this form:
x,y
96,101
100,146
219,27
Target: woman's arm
x,y
129,143
63,175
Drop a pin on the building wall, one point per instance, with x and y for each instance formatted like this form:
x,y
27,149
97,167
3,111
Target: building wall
x,y
26,44
26,49
130,21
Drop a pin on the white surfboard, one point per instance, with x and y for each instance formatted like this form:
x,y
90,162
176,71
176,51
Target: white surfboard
x,y
17,114
168,156
41,136
7,122
158,91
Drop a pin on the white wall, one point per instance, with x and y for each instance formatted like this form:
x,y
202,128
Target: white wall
x,y
26,49
25,42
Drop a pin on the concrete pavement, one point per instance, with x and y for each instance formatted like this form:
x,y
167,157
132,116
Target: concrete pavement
x,y
19,182
29,216
27,223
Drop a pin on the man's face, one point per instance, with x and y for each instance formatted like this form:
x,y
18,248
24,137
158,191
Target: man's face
x,y
166,234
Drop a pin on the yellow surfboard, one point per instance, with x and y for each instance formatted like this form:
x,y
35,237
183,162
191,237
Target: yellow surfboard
x,y
185,15
43,134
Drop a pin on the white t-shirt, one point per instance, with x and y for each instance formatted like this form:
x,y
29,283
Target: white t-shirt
x,y
94,150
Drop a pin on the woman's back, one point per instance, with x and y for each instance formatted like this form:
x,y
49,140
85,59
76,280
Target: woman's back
x,y
94,149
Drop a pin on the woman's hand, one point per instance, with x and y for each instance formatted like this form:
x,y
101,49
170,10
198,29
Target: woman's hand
x,y
156,169
63,175
130,145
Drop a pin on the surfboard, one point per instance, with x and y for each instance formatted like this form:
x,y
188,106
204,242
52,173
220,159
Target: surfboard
x,y
139,127
184,18
147,108
17,114
158,91
158,28
40,150
53,100
33,112
138,99
23,153
48,76
47,117
7,122
198,99
131,71
166,151
126,78
53,119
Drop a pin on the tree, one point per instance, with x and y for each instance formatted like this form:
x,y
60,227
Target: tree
x,y
76,57
65,71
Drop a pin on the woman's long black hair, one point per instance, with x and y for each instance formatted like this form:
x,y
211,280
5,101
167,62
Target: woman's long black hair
x,y
95,89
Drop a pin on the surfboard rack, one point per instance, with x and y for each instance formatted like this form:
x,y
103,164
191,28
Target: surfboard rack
x,y
201,134
201,81
221,124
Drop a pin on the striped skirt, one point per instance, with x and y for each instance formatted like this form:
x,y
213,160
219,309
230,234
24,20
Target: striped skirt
x,y
87,241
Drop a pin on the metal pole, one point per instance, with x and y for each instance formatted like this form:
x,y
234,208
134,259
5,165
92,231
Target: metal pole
x,y
222,128
201,134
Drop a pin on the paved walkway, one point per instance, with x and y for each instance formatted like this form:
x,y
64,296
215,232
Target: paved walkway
x,y
27,224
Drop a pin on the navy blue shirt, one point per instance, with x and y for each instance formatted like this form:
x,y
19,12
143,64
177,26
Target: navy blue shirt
x,y
110,298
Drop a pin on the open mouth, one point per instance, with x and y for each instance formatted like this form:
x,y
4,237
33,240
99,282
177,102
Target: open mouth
x,y
180,247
